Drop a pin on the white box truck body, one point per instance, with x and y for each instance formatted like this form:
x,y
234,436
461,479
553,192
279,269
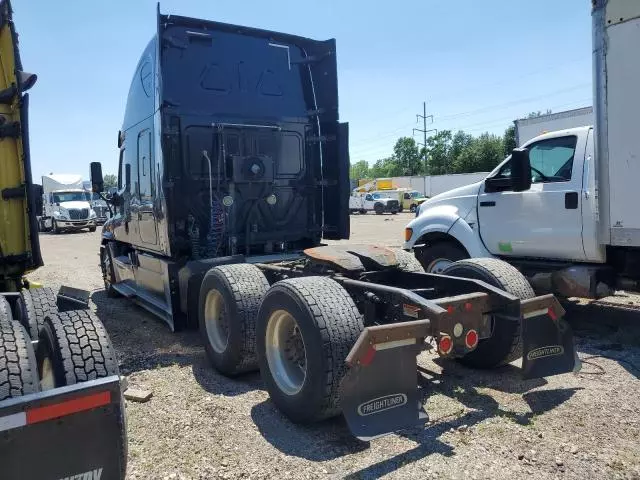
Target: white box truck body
x,y
564,208
66,204
528,128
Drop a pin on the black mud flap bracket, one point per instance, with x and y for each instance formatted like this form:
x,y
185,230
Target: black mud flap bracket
x,y
379,394
548,344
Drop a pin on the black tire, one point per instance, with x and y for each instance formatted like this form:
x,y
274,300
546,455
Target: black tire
x,y
394,212
432,256
54,226
329,324
505,343
6,315
230,297
44,303
92,229
18,370
407,262
378,208
108,275
74,347
26,313
363,212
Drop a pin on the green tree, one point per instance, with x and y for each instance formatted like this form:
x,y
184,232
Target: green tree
x,y
439,153
461,142
490,151
406,156
509,140
110,180
359,170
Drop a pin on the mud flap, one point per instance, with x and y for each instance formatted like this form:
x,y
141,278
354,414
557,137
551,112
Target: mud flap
x,y
379,393
548,344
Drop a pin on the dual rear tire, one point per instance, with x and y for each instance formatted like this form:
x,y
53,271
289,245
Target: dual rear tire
x,y
297,332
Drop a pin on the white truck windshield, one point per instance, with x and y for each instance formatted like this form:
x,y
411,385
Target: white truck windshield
x,y
59,197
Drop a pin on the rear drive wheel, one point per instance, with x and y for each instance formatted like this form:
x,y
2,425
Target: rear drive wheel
x,y
26,313
306,327
505,343
74,347
5,310
44,303
435,258
230,297
18,370
407,262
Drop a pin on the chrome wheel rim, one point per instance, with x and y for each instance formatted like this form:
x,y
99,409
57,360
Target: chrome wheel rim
x,y
216,321
286,352
438,265
47,381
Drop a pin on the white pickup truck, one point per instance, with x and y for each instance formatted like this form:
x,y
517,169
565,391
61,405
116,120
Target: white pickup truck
x,y
564,208
385,201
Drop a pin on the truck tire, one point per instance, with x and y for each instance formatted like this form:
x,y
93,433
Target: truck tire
x,y
407,262
230,297
26,313
6,314
44,302
54,226
435,258
413,208
108,275
18,370
363,212
505,343
306,327
378,208
74,347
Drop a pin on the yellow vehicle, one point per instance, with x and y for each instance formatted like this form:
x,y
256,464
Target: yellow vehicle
x,y
411,199
40,332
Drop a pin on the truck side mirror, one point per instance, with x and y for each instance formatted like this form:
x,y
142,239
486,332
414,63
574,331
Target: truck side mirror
x,y
97,183
520,170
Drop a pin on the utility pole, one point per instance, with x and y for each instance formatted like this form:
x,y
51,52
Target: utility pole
x,y
424,131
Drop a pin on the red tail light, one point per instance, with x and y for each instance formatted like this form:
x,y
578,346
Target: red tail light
x,y
471,339
445,344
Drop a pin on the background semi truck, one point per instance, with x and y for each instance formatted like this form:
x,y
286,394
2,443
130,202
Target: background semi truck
x,y
563,209
234,196
66,204
61,407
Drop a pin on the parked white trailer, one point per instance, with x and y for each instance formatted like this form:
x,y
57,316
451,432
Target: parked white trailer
x,y
528,128
563,209
66,204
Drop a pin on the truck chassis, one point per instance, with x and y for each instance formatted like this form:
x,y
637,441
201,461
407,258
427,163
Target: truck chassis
x,y
339,331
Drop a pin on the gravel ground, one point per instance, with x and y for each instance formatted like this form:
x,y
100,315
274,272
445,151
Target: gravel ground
x,y
201,425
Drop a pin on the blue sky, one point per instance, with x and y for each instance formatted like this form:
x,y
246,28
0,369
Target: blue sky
x,y
478,64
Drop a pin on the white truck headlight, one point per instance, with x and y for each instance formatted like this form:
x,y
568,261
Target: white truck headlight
x,y
61,215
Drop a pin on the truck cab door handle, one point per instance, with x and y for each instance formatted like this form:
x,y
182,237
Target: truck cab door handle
x,y
571,200
488,204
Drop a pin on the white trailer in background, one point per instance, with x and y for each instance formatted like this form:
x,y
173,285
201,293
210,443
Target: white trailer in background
x,y
528,128
66,204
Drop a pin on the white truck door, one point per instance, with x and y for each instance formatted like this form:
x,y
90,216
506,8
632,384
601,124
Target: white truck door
x,y
368,202
545,221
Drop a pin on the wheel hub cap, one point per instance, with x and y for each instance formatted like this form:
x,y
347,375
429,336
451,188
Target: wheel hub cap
x,y
216,321
286,352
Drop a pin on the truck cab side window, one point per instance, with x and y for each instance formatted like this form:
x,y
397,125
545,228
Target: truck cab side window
x,y
552,159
